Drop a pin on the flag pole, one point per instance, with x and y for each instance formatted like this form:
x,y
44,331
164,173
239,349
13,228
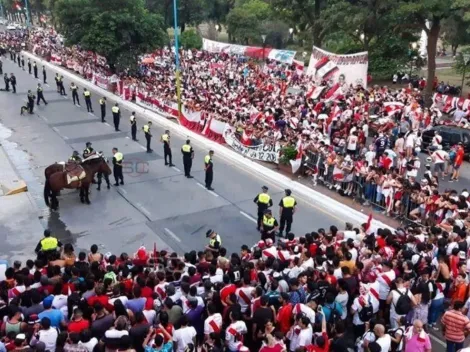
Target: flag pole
x,y
177,58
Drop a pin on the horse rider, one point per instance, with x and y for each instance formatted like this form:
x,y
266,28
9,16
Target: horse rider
x,y
88,151
75,157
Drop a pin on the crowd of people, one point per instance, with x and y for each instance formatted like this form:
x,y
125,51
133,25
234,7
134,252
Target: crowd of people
x,y
351,289
360,142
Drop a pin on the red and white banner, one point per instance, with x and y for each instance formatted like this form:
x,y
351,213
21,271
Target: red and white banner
x,y
446,103
285,56
100,80
78,68
351,69
56,59
70,64
393,107
156,105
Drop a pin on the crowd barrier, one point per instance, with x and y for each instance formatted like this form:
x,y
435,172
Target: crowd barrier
x,y
399,206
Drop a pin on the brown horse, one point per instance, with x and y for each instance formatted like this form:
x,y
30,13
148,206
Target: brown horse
x,y
58,180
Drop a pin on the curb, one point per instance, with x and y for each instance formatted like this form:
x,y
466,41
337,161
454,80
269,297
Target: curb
x,y
20,187
311,196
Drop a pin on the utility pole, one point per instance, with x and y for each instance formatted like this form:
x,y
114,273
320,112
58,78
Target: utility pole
x,y
177,58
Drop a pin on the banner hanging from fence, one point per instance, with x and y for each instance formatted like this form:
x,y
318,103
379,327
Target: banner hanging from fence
x,y
263,152
284,56
350,69
156,105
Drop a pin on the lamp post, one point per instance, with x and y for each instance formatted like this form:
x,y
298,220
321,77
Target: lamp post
x,y
217,27
466,62
177,58
28,20
291,34
413,58
263,36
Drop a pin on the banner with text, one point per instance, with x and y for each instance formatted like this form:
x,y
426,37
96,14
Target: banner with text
x,y
284,56
350,69
269,153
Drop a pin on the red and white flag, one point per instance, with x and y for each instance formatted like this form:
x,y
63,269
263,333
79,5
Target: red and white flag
x,y
325,68
393,107
368,224
297,162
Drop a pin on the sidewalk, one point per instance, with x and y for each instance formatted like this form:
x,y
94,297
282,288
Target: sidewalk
x,y
19,221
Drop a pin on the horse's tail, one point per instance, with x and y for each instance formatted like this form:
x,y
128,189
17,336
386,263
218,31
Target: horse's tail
x,y
47,191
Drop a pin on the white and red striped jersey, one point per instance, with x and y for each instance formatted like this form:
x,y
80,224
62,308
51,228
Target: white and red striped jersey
x,y
213,323
160,290
234,335
301,308
270,252
244,296
385,280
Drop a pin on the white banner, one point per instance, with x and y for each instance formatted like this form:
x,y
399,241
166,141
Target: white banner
x,y
269,153
218,47
351,69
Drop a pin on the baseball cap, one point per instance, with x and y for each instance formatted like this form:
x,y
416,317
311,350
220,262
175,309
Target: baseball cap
x,y
209,232
20,337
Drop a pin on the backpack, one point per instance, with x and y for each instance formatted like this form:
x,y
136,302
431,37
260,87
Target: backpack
x,y
335,316
394,346
403,305
367,312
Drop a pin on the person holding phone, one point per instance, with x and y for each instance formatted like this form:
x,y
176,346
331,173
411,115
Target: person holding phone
x,y
155,342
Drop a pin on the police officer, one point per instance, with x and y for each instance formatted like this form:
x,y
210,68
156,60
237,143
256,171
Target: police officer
x,y
148,135
29,66
269,226
165,139
116,116
47,245
133,122
40,95
13,82
75,157
287,207
87,95
117,169
188,156
215,242
44,74
101,175
103,108
7,82
57,82
61,85
209,168
263,201
31,101
88,150
74,90
22,62
35,69
19,61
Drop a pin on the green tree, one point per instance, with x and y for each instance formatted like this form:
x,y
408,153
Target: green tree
x,y
454,30
462,66
190,39
244,22
429,15
119,30
306,15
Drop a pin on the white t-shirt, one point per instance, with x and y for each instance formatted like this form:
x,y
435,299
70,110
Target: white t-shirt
x,y
217,318
385,342
90,345
369,336
342,298
384,287
183,337
234,329
395,296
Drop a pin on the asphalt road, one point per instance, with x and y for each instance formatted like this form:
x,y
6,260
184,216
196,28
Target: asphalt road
x,y
157,204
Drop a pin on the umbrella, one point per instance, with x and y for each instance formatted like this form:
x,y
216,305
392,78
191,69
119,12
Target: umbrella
x,y
148,60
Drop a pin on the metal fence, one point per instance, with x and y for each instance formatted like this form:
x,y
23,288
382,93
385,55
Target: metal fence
x,y
366,193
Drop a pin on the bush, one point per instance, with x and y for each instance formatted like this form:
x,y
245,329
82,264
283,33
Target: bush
x,y
190,39
287,154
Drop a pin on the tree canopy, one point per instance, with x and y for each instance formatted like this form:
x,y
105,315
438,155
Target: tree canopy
x,y
119,30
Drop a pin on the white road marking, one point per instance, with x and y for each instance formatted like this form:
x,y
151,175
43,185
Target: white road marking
x,y
143,210
55,129
126,136
123,190
48,85
90,113
173,167
44,118
107,124
211,192
65,137
77,105
143,147
64,96
248,217
438,340
176,238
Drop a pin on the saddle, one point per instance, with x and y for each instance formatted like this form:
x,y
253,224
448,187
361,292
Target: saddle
x,y
74,172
